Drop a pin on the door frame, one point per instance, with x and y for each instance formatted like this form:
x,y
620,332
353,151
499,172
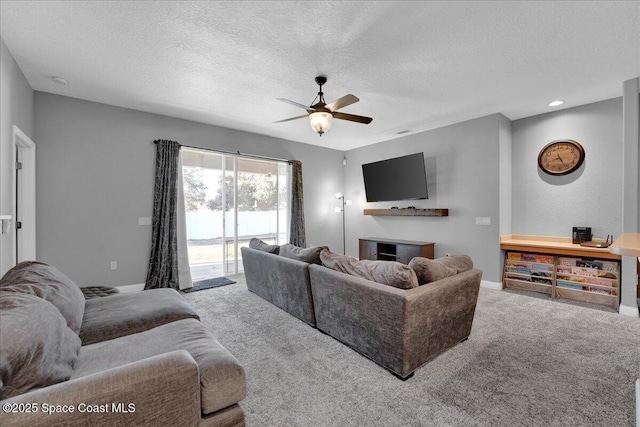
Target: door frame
x,y
24,242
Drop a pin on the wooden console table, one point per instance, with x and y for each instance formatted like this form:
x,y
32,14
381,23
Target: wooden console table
x,y
403,251
628,244
556,266
552,245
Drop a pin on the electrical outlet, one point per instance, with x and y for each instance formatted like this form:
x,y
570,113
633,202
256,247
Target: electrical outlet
x,y
483,220
114,265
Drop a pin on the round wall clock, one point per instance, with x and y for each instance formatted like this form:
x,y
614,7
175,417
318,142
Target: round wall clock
x,y
561,157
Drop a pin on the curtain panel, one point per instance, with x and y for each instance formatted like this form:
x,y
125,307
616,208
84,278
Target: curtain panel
x,y
163,261
184,269
297,234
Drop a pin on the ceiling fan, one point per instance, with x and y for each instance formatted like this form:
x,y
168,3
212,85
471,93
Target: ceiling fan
x,y
321,113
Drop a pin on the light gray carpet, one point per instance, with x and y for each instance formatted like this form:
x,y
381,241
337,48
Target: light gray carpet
x,y
528,362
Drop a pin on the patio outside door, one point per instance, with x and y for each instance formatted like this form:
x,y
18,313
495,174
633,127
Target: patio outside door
x,y
230,199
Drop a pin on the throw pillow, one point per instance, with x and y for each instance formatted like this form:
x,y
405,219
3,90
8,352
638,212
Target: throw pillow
x,y
46,282
389,273
37,349
263,246
431,270
308,255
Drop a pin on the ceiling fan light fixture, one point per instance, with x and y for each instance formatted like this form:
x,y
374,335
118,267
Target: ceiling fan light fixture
x,y
322,114
320,121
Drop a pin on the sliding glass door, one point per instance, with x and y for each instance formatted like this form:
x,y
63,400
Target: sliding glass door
x,y
230,199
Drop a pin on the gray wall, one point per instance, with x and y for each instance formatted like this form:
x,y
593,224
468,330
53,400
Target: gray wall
x,y
95,178
95,168
16,108
462,164
506,175
591,196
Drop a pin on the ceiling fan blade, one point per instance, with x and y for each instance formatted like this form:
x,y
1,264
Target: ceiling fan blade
x,y
291,118
297,104
342,102
352,117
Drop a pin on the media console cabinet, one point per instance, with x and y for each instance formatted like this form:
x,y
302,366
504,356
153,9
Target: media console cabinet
x,y
403,251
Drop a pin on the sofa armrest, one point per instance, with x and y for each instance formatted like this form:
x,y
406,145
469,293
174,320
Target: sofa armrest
x,y
438,315
282,281
163,390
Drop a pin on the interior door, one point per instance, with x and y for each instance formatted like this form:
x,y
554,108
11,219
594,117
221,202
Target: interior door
x,y
24,196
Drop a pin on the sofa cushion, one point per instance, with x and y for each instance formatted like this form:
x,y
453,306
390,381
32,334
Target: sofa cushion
x,y
37,349
264,246
91,292
46,282
431,270
222,378
308,255
390,273
125,314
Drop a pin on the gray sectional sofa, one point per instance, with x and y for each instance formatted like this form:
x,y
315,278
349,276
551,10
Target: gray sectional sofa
x,y
400,329
140,359
282,281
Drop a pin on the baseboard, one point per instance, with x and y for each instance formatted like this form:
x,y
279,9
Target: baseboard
x,y
638,402
497,286
629,311
131,288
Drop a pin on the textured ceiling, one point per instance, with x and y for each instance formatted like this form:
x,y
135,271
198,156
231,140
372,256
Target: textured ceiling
x,y
414,65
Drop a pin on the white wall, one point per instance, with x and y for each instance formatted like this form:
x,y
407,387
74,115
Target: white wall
x,y
16,108
462,165
96,174
589,197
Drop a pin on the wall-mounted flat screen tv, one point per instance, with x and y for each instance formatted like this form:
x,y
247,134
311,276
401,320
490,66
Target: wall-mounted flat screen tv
x,y
400,178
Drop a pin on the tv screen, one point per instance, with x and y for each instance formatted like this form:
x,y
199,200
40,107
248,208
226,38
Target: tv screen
x,y
401,178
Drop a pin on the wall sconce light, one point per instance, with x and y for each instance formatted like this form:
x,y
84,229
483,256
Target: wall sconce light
x,y
337,209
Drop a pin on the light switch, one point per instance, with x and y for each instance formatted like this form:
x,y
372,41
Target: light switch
x,y
483,220
6,224
144,220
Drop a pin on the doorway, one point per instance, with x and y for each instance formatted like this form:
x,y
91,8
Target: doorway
x,y
230,199
24,197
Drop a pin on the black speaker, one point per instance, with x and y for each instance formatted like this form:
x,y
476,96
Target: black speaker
x,y
581,234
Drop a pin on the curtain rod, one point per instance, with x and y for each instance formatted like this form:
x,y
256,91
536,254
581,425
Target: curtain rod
x,y
236,153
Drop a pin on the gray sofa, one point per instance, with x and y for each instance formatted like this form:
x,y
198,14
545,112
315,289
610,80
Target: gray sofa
x,y
282,281
140,359
400,329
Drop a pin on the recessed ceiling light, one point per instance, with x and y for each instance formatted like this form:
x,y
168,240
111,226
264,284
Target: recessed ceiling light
x,y
59,80
556,103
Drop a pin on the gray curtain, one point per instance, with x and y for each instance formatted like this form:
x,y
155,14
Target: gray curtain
x,y
163,261
297,235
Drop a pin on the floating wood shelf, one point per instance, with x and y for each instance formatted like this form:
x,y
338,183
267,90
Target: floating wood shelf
x,y
407,212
